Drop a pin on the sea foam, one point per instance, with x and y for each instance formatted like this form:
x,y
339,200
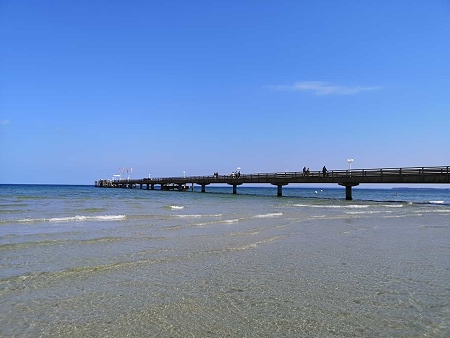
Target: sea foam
x,y
269,215
74,219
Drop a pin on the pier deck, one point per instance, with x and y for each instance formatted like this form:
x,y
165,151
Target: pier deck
x,y
346,178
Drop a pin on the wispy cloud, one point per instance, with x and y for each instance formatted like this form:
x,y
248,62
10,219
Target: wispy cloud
x,y
324,88
4,122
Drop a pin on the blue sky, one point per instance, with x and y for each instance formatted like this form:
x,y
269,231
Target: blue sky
x,y
88,87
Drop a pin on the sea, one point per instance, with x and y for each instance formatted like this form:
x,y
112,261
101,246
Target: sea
x,y
80,261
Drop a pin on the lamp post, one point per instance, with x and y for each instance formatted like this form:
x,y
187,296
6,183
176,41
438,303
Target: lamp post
x,y
184,174
149,176
350,160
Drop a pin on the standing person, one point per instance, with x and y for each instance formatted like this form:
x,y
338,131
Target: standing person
x,y
324,171
304,171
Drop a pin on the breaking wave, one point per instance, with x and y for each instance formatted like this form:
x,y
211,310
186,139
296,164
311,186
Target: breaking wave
x,y
436,202
74,219
196,216
274,214
351,206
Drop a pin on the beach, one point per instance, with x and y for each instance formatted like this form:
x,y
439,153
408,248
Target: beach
x,y
80,261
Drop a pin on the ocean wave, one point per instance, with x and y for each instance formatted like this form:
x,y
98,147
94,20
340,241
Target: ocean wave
x,y
173,207
92,210
24,198
432,211
225,221
255,231
15,205
17,281
401,216
89,218
436,202
180,226
333,206
73,219
274,214
433,226
368,212
250,245
65,242
195,216
235,220
10,211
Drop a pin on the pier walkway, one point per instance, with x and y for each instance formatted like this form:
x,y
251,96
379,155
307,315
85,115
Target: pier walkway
x,y
345,178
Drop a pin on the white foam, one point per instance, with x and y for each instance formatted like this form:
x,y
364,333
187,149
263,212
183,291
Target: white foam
x,y
329,206
236,220
401,216
196,216
370,212
226,221
318,206
393,205
436,202
75,219
274,214
176,207
25,220
432,211
88,218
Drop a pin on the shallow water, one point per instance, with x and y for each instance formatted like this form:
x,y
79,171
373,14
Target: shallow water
x,y
84,261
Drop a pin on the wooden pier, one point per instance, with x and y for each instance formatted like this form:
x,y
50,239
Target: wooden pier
x,y
346,178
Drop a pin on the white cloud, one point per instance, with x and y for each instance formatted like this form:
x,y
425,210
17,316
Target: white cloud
x,y
4,122
324,88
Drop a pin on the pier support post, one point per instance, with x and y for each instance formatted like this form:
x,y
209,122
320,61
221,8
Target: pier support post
x,y
152,186
203,187
234,188
279,187
348,190
279,190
